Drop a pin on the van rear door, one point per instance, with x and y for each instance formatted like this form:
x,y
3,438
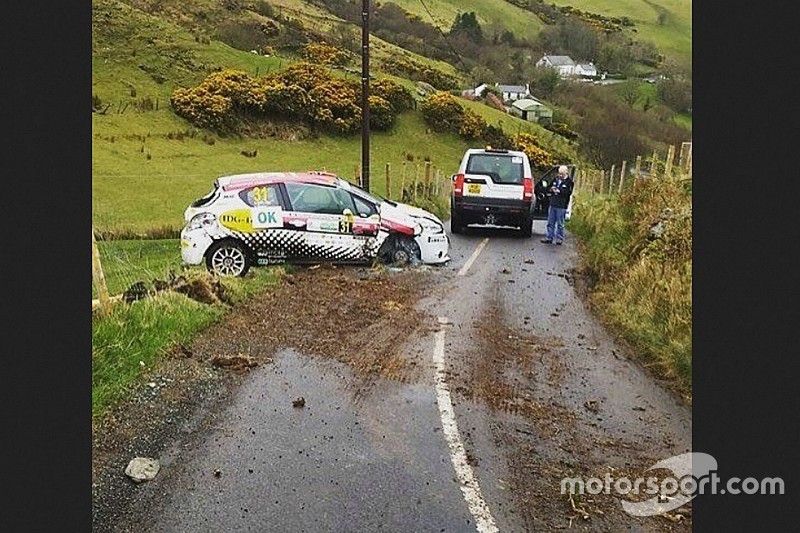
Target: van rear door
x,y
494,174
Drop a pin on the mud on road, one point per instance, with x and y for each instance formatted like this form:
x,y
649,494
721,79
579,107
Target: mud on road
x,y
356,316
540,390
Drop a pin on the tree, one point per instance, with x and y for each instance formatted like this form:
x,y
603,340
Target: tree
x,y
629,92
676,92
545,81
467,24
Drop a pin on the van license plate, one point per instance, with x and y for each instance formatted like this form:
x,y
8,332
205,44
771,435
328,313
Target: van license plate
x,y
474,188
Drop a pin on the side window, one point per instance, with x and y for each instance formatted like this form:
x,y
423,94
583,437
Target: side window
x,y
319,199
260,195
363,207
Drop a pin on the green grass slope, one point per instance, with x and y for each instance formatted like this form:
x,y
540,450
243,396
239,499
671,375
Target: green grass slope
x,y
148,165
673,36
520,22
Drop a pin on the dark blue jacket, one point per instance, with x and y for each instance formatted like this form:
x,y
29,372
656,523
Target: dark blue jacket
x,y
560,198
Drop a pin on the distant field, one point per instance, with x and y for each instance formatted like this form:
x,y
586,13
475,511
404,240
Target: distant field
x,y
520,22
673,37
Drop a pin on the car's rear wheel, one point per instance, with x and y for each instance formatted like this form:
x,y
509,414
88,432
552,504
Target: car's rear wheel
x,y
228,258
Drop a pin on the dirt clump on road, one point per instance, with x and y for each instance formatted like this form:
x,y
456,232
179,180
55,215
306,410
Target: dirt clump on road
x,y
360,320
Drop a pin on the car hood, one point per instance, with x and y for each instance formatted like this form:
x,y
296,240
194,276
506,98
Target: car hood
x,y
403,217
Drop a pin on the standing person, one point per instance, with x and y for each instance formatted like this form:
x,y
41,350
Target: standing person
x,y
559,193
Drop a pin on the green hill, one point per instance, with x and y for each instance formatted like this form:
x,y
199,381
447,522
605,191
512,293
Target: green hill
x,y
148,163
667,23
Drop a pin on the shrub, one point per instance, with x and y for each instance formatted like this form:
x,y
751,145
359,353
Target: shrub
x,y
381,114
201,107
419,72
325,54
232,100
442,112
398,96
562,129
538,156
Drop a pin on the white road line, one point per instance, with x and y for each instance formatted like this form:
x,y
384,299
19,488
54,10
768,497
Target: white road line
x,y
473,257
484,522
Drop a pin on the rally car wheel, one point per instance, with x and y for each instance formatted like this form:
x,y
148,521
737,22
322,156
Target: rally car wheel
x,y
400,251
228,258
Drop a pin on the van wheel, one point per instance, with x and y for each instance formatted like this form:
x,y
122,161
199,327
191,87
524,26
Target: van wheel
x,y
526,229
228,258
456,224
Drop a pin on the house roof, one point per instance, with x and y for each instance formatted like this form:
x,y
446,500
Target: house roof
x,y
586,66
527,104
511,88
559,61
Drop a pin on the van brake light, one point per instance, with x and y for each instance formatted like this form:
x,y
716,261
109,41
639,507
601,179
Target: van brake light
x,y
458,185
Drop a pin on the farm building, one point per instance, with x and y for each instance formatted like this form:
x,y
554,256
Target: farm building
x,y
508,92
531,109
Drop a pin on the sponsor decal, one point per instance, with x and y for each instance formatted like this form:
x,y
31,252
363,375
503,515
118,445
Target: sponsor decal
x,y
330,225
237,220
269,216
437,238
346,223
185,243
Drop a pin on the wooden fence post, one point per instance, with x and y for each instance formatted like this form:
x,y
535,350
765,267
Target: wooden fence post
x,y
403,181
357,175
427,185
668,162
416,179
638,169
622,176
99,278
388,183
611,178
602,181
654,165
689,163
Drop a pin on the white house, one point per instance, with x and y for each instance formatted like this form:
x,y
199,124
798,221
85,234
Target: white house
x,y
567,67
563,64
508,92
585,69
513,92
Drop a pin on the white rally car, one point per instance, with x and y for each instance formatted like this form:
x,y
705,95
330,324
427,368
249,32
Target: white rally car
x,y
267,218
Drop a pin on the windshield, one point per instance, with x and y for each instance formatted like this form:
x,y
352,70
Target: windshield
x,y
205,200
374,198
502,168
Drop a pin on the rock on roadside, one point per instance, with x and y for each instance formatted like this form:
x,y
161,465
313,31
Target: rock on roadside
x,y
142,469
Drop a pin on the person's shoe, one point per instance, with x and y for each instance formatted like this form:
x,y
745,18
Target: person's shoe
x,y
559,243
547,241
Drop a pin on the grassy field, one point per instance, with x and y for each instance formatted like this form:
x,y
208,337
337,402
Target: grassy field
x,y
133,337
673,37
520,22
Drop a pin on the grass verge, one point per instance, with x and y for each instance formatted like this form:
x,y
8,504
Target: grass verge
x,y
132,337
637,249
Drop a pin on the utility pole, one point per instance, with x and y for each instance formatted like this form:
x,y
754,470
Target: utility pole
x,y
365,95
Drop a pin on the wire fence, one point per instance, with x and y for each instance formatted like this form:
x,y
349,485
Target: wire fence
x,y
614,180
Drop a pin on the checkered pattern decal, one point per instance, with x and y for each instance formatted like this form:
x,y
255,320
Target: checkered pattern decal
x,y
293,244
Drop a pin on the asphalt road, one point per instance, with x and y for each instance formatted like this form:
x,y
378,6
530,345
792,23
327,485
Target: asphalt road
x,y
516,385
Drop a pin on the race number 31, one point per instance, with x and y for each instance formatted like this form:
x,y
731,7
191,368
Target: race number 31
x,y
267,217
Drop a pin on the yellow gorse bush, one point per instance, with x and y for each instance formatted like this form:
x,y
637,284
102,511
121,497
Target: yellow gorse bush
x,y
303,91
